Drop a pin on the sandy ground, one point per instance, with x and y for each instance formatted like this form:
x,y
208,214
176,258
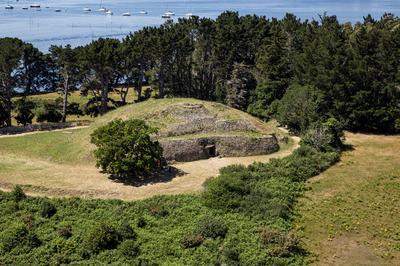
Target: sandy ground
x,y
44,178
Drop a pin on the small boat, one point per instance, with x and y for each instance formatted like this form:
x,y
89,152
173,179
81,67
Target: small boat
x,y
127,14
86,9
35,6
189,15
102,9
9,7
25,8
47,7
57,10
165,16
143,12
109,12
169,13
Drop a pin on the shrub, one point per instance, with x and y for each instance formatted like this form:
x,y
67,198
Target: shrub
x,y
192,240
24,111
129,248
100,238
18,194
125,231
300,107
325,136
397,125
279,244
126,149
227,190
47,209
211,227
3,113
74,109
18,236
48,112
141,222
65,230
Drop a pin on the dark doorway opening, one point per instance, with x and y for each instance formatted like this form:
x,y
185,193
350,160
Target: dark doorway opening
x,y
211,151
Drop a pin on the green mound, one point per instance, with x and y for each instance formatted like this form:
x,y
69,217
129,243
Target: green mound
x,y
176,118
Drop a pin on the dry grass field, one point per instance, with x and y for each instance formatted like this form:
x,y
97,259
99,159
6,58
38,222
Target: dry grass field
x,y
351,214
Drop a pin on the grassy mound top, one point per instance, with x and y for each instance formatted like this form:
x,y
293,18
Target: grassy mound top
x,y
73,146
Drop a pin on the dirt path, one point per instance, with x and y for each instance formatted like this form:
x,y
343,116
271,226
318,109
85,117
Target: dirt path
x,y
44,178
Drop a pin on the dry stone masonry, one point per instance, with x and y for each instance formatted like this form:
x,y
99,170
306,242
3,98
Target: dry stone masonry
x,y
195,133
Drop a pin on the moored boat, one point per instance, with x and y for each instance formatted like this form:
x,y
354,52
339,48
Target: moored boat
x,y
169,13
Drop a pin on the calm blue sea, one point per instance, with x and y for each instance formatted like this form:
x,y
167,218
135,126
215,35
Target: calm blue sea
x,y
46,27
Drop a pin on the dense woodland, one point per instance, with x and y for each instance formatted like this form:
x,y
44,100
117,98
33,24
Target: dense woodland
x,y
267,67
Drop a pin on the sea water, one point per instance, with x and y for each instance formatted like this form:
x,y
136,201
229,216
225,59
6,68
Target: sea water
x,y
44,27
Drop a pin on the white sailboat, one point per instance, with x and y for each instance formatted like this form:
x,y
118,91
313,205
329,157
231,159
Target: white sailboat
x,y
127,14
109,12
169,13
190,14
102,9
86,10
143,12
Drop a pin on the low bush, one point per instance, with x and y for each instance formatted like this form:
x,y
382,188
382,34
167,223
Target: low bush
x,y
18,194
18,237
325,136
211,227
47,209
100,238
24,111
48,113
126,231
279,244
64,230
192,240
129,248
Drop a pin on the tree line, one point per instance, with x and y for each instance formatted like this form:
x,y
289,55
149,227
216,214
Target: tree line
x,y
285,68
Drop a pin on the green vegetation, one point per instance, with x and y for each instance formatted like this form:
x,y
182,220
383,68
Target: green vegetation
x,y
24,111
126,148
243,220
